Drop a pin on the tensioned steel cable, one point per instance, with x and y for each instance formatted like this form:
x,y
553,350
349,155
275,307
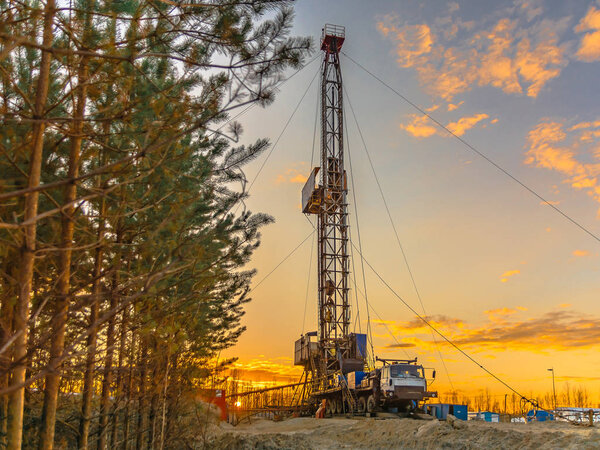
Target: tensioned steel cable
x,y
382,321
312,247
369,329
279,137
481,154
389,214
443,336
312,153
252,105
282,261
282,131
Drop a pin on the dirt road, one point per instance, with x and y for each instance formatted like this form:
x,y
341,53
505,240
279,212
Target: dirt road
x,y
363,433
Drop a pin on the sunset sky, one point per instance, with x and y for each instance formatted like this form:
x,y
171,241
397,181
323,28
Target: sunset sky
x,y
503,275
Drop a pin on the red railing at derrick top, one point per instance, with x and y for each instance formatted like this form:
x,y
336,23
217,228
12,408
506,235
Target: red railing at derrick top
x,y
331,33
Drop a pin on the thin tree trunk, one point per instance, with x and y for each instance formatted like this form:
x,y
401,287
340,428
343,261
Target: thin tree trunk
x,y
6,318
16,401
130,378
164,402
173,397
88,382
59,320
120,377
142,422
154,387
110,344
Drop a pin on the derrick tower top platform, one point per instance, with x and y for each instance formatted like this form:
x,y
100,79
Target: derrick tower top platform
x,y
332,38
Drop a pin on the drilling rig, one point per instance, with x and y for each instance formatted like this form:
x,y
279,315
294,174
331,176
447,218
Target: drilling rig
x,y
334,359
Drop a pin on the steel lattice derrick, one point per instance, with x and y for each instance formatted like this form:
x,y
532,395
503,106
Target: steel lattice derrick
x,y
333,266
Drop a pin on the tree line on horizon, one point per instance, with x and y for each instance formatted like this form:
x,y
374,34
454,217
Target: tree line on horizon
x,y
124,237
570,396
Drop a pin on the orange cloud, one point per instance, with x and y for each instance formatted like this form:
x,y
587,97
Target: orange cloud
x,y
292,175
509,273
555,330
538,65
412,41
499,315
581,253
548,147
401,345
465,123
419,127
497,66
589,47
589,50
453,106
422,127
511,54
299,179
264,370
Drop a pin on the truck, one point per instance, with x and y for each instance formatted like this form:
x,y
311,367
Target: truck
x,y
399,385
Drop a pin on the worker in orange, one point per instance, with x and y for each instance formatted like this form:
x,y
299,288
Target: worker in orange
x,y
321,411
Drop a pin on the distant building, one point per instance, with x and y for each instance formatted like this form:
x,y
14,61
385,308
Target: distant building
x,y
487,416
577,414
441,410
539,415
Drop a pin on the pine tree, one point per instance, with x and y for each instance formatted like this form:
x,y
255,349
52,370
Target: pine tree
x,y
120,187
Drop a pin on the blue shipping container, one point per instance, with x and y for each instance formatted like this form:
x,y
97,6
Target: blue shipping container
x,y
539,416
441,411
460,412
361,345
355,378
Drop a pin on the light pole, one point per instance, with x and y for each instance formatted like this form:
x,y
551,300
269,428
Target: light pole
x,y
553,388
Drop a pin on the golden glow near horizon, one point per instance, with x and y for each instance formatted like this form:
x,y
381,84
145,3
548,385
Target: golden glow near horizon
x,y
501,274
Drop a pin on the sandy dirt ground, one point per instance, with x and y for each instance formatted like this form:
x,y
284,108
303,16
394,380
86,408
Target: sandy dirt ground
x,y
309,433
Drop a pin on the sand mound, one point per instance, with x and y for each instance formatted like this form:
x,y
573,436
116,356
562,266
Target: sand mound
x,y
308,433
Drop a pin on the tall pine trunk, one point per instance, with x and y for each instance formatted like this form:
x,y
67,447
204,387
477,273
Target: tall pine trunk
x,y
163,421
120,378
88,380
110,344
130,378
6,312
16,401
59,319
154,387
142,423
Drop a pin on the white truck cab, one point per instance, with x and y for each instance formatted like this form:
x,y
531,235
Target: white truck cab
x,y
402,376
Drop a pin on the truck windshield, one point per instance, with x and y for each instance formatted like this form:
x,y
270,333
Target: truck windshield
x,y
404,370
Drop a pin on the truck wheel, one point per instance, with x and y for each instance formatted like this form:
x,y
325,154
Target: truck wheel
x,y
330,408
338,406
362,405
371,404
